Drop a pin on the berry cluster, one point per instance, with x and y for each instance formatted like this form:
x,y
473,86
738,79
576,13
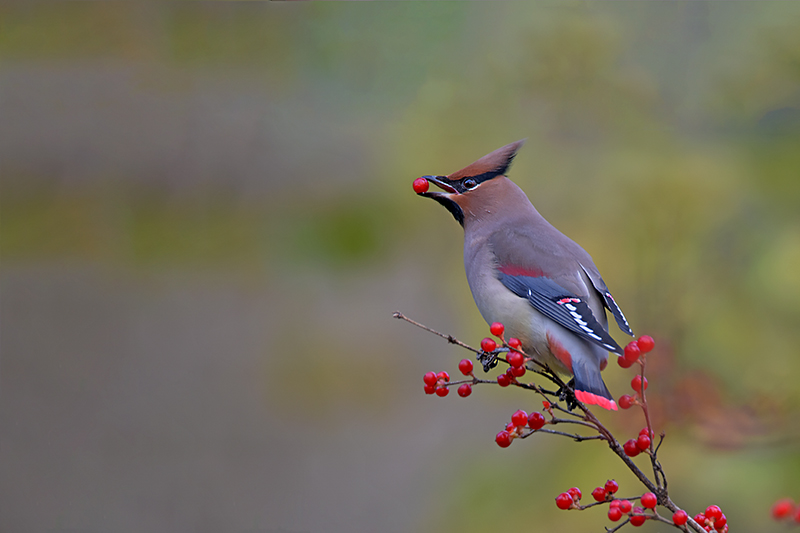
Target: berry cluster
x,y
786,509
516,428
436,383
606,492
570,499
639,385
618,508
640,444
712,519
634,349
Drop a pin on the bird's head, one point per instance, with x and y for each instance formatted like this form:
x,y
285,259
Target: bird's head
x,y
474,188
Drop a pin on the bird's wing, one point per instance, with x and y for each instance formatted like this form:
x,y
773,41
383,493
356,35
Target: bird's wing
x,y
561,306
608,300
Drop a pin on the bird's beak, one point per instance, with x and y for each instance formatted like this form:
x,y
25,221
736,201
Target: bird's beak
x,y
438,181
445,198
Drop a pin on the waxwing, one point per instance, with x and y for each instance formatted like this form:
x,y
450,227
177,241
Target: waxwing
x,y
524,273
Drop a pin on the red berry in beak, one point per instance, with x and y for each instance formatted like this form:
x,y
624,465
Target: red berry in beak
x,y
420,185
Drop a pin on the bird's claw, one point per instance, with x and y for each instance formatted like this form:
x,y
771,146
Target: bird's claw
x,y
489,359
567,394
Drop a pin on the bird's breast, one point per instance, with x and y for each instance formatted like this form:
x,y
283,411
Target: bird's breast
x,y
498,304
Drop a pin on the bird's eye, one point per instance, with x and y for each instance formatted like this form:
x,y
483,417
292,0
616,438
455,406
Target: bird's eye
x,y
470,184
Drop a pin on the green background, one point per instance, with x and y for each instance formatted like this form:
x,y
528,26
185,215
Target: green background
x,y
206,222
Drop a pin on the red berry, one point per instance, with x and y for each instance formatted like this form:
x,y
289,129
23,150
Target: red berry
x,y
636,383
515,359
796,516
518,372
420,185
576,493
488,345
713,512
503,380
545,404
625,506
536,420
611,486
782,508
649,500
465,390
564,501
632,352
613,504
430,389
720,522
497,329
643,442
519,418
625,401
638,520
631,449
700,518
503,439
614,514
624,363
646,343
599,494
444,376
680,517
429,378
645,431
465,366
514,343
442,392
511,428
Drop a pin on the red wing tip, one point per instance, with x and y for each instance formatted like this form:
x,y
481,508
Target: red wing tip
x,y
594,399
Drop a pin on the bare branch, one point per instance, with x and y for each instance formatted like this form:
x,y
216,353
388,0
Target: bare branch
x,y
618,527
450,338
573,436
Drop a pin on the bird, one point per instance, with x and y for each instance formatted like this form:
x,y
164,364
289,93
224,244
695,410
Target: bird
x,y
524,273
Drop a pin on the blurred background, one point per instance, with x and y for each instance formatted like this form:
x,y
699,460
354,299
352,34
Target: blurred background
x,y
206,222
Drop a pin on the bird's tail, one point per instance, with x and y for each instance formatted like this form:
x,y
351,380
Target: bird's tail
x,y
589,386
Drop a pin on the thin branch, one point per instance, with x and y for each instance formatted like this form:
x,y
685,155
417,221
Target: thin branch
x,y
555,420
594,504
450,338
618,527
573,436
558,407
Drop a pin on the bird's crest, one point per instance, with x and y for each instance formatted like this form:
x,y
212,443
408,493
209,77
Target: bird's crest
x,y
490,165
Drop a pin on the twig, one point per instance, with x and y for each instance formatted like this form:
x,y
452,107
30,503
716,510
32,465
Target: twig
x,y
618,527
573,436
450,338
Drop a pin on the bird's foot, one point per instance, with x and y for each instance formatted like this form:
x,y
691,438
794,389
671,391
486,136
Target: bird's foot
x,y
489,359
567,394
